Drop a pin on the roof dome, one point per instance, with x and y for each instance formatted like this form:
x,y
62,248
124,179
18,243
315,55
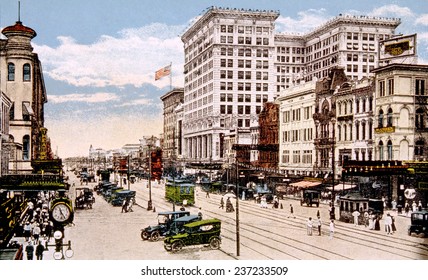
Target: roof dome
x,y
19,28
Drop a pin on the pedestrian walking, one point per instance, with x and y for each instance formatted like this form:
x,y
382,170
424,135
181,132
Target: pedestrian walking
x,y
332,228
388,223
356,214
27,230
36,232
125,205
309,225
29,249
419,206
207,195
221,203
319,223
39,251
291,212
393,227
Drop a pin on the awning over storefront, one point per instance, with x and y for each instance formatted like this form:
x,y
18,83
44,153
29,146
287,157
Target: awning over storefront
x,y
305,184
342,186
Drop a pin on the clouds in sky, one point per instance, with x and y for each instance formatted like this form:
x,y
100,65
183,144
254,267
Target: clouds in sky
x,y
130,58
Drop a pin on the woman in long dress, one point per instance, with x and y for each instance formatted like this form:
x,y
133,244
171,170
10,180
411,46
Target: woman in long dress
x,y
371,221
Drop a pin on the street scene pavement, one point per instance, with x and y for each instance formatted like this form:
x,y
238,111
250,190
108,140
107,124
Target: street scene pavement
x,y
105,233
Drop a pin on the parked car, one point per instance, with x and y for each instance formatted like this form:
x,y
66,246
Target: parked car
x,y
196,233
165,220
419,223
84,198
117,198
177,226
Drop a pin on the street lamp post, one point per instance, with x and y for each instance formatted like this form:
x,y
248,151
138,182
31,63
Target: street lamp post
x,y
149,203
237,210
333,195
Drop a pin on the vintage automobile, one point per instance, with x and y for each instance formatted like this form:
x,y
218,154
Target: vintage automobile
x,y
196,233
419,223
165,220
310,197
84,198
177,225
117,198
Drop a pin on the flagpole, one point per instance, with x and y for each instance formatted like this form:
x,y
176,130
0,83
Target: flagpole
x,y
170,76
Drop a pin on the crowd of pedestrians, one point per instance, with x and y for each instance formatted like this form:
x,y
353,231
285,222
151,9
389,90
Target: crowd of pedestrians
x,y
36,225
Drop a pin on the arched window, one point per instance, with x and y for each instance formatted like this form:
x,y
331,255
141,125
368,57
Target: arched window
x,y
11,72
380,119
380,150
339,132
389,150
350,132
26,71
389,118
357,131
26,147
419,121
370,129
363,130
345,136
357,106
419,147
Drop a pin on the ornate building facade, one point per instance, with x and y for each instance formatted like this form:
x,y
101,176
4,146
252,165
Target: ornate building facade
x,y
22,81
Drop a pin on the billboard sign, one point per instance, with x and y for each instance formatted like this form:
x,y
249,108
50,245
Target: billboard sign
x,y
397,47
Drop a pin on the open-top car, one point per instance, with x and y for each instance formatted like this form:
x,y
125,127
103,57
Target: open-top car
x,y
165,220
419,223
196,233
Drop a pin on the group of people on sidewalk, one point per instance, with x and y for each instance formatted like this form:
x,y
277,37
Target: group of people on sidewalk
x,y
311,224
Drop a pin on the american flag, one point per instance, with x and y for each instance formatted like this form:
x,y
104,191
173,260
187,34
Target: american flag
x,y
165,71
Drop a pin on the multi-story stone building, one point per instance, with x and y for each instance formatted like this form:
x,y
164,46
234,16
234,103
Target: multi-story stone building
x,y
401,106
296,129
172,127
229,74
234,62
348,41
22,81
5,104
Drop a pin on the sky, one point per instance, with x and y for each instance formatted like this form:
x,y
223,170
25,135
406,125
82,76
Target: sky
x,y
99,56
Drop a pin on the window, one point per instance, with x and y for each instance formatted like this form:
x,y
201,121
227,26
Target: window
x,y
26,147
390,86
26,72
380,150
389,150
380,120
419,121
382,88
420,87
11,72
357,131
419,148
389,118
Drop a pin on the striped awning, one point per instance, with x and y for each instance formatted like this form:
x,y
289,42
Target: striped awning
x,y
305,184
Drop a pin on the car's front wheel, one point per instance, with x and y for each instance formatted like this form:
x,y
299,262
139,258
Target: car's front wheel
x,y
177,246
155,236
144,235
215,243
167,247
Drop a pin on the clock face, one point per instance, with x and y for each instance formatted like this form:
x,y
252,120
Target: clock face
x,y
61,212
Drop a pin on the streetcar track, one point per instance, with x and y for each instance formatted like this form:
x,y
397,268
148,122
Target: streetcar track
x,y
376,241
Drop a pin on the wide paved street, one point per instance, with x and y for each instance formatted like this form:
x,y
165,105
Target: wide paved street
x,y
104,233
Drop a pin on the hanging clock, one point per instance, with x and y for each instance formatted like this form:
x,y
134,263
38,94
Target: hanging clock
x,y
61,212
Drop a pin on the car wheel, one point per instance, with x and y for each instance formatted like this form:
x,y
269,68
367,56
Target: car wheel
x,y
421,235
155,236
215,243
144,235
167,247
177,246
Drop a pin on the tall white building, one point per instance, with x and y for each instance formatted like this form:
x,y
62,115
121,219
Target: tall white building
x,y
348,41
229,74
234,62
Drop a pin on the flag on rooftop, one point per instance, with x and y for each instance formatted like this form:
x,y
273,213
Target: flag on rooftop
x,y
165,71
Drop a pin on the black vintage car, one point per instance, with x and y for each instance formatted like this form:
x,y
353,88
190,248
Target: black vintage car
x,y
196,233
419,223
117,198
165,220
84,198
